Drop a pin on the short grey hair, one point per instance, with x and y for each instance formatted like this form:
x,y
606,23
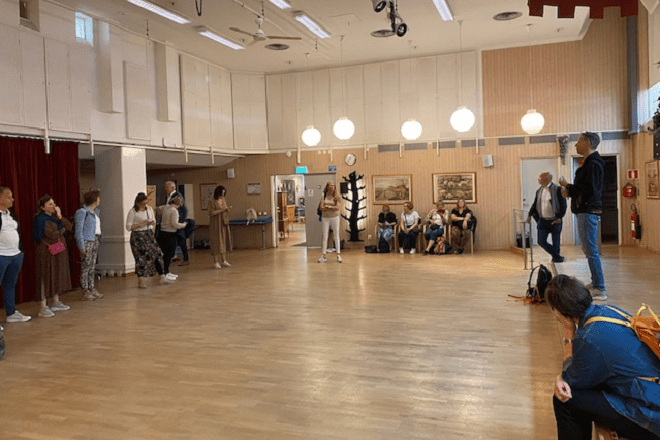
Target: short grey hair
x,y
170,183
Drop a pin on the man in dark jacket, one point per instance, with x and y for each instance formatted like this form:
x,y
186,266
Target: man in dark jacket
x,y
11,255
586,195
170,190
548,210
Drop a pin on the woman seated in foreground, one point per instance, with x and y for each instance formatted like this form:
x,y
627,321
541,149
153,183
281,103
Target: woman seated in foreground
x,y
609,377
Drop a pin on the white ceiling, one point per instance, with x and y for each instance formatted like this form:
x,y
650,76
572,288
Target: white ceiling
x,y
354,19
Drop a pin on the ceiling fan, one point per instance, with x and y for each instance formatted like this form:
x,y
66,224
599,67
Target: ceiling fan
x,y
260,35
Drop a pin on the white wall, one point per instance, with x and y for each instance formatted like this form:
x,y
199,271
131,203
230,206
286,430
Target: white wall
x,y
378,98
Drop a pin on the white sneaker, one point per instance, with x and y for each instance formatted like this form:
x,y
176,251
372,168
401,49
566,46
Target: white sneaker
x,y
171,276
400,250
46,313
59,306
226,264
18,317
217,266
413,250
323,259
338,258
330,250
165,280
598,295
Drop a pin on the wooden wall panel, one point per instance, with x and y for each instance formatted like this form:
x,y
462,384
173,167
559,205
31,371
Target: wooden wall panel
x,y
577,86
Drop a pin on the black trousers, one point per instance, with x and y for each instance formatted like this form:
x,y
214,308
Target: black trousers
x,y
167,243
181,242
574,417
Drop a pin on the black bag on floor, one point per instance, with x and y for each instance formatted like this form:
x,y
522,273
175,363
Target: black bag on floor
x,y
371,249
537,293
383,246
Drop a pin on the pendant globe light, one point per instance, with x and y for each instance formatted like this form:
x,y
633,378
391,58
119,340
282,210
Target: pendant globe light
x,y
533,121
411,129
311,136
344,127
462,119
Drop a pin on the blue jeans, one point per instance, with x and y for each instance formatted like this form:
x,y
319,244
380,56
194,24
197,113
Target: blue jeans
x,y
385,233
588,230
10,267
432,235
545,228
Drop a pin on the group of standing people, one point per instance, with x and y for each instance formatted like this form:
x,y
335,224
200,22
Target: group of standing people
x,y
52,272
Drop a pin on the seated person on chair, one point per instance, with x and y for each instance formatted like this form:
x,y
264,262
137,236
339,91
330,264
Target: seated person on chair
x,y
548,209
460,230
436,220
409,228
386,224
611,375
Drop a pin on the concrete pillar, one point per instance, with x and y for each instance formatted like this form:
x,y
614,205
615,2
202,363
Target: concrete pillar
x,y
121,173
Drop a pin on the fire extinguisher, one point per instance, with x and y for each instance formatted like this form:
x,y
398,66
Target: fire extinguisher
x,y
635,227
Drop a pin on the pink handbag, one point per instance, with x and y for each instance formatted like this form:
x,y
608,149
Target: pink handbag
x,y
56,248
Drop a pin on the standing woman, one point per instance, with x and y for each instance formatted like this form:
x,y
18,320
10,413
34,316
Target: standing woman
x,y
169,225
88,234
460,233
330,219
148,255
219,226
52,262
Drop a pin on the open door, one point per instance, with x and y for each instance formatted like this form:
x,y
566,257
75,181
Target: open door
x,y
314,185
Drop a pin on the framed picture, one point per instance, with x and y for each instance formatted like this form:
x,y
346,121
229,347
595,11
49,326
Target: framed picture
x,y
253,188
449,187
392,189
652,180
206,191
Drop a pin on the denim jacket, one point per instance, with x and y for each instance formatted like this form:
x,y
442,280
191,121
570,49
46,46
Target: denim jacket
x,y
85,229
610,358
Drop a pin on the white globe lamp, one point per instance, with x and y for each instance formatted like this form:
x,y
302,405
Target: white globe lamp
x,y
344,129
532,122
311,136
462,120
411,130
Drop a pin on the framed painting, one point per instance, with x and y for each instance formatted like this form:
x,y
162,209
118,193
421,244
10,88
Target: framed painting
x,y
449,187
253,188
652,180
206,192
392,189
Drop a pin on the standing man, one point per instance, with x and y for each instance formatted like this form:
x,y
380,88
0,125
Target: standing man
x,y
170,190
548,210
11,255
586,195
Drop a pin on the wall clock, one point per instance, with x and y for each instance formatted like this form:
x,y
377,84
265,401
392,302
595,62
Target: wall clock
x,y
350,159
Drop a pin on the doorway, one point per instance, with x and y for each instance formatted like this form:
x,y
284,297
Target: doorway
x,y
314,184
290,218
609,224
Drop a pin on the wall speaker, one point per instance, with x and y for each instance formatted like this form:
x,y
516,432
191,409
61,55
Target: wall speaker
x,y
343,187
656,145
230,173
487,160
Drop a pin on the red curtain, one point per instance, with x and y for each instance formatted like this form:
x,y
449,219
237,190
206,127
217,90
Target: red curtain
x,y
30,173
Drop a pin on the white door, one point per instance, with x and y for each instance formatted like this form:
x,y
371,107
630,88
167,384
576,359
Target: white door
x,y
531,169
314,185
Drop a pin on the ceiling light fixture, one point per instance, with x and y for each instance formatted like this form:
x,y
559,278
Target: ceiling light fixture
x,y
310,24
379,5
160,11
282,4
344,127
443,10
311,136
462,119
218,39
411,129
533,121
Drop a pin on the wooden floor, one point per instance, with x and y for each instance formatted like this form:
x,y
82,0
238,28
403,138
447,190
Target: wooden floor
x,y
281,347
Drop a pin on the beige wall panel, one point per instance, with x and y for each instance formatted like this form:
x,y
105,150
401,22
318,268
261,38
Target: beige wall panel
x,y
10,72
59,93
577,86
33,80
275,111
221,111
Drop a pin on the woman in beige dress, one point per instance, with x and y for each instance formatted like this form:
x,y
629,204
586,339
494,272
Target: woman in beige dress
x,y
52,276
219,227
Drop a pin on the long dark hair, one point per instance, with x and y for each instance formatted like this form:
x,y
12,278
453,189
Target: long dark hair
x,y
220,191
40,204
141,197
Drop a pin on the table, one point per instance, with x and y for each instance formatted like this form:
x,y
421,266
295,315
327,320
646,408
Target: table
x,y
261,221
